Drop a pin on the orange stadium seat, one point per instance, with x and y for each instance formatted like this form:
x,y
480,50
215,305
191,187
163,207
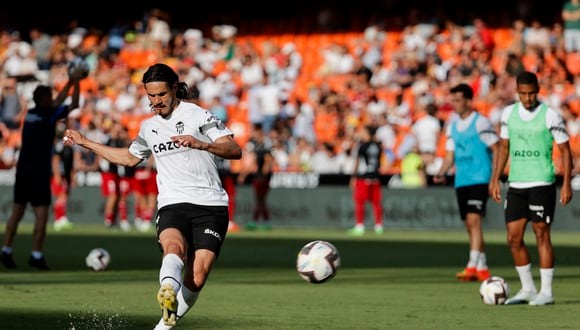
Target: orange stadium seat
x,y
502,38
573,62
575,105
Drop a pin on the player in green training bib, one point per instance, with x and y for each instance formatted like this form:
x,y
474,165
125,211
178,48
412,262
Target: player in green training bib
x,y
529,129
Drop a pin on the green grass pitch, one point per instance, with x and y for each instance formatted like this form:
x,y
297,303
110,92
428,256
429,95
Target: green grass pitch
x,y
401,280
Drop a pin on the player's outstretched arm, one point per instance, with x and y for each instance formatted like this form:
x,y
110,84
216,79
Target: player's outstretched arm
x,y
120,156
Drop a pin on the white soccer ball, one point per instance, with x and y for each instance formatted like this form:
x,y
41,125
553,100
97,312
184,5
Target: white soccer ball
x,y
78,64
318,261
98,259
494,291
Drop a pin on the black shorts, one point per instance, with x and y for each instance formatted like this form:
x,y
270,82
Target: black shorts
x,y
537,204
472,199
204,227
32,189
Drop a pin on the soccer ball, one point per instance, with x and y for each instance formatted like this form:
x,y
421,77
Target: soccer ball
x,y
78,64
494,291
318,261
98,259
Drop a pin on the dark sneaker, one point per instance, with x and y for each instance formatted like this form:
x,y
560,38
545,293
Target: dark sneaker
x,y
38,263
7,260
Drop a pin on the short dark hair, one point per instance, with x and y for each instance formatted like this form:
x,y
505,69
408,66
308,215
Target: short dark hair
x,y
372,129
464,89
257,126
527,78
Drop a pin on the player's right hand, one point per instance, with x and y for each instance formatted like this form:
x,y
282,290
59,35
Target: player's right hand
x,y
72,137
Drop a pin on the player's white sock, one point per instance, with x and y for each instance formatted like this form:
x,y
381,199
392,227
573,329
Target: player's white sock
x,y
473,258
481,261
185,300
171,271
546,276
526,278
36,254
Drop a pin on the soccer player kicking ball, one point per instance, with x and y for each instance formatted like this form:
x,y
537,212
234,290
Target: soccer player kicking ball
x,y
192,218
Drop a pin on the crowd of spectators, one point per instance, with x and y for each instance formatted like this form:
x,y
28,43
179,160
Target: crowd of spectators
x,y
311,93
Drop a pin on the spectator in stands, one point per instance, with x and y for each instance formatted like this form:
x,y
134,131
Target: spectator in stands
x,y
471,145
41,43
426,130
365,182
571,120
399,113
303,123
571,17
483,34
529,130
300,157
12,103
33,170
324,159
413,167
270,105
386,135
85,160
538,36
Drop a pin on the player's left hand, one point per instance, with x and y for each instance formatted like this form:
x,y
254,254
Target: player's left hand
x,y
565,194
190,141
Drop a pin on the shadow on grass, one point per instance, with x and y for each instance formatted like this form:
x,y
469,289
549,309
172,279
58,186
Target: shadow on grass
x,y
40,320
43,320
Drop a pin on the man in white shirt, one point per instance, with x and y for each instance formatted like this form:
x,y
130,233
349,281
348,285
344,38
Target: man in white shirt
x,y
192,218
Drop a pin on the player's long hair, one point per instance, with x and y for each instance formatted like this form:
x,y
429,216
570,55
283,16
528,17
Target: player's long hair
x,y
163,72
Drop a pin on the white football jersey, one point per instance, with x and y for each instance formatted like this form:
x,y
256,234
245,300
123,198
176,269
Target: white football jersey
x,y
184,175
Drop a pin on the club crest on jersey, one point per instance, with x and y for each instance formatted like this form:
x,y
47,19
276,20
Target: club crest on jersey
x,y
180,127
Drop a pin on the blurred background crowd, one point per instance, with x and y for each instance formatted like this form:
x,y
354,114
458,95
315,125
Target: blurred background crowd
x,y
312,81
